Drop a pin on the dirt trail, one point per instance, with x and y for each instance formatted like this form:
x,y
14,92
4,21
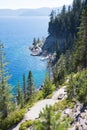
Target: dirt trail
x,y
34,111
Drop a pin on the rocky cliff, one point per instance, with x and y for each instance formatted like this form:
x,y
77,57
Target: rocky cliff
x,y
53,44
50,44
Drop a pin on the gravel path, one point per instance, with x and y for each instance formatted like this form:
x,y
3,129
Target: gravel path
x,y
34,111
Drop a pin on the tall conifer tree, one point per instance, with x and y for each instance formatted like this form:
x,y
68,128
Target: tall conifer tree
x,y
5,88
24,86
30,85
81,52
20,95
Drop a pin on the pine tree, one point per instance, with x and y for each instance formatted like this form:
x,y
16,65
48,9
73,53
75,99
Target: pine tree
x,y
81,52
24,86
48,87
57,50
5,88
34,41
30,85
20,95
71,89
52,15
76,5
46,117
63,11
59,71
81,92
38,40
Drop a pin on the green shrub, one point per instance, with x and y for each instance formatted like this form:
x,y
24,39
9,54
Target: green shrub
x,y
38,125
48,87
25,125
62,126
49,96
39,95
58,115
12,119
63,105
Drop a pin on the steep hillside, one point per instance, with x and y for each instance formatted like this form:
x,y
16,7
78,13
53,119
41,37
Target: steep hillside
x,y
64,27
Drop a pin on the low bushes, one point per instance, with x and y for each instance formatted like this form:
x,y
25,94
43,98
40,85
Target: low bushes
x,y
25,125
12,119
63,105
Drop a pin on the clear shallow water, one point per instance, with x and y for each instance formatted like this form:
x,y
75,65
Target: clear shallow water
x,y
17,34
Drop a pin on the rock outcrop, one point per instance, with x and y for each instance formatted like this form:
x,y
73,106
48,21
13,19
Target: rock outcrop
x,y
53,44
49,45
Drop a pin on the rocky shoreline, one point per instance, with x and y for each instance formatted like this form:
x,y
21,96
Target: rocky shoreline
x,y
35,51
41,49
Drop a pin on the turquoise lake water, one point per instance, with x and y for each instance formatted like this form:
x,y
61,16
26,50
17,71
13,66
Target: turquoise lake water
x,y
17,34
